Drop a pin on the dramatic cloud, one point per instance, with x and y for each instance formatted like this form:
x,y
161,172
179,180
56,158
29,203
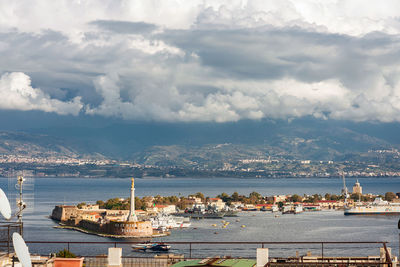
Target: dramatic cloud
x,y
203,60
16,92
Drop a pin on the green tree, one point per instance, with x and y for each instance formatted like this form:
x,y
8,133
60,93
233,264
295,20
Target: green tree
x,y
100,203
65,253
235,196
334,197
200,195
355,196
389,196
80,205
296,198
255,195
225,197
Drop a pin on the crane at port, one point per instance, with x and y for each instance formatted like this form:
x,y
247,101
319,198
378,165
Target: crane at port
x,y
345,191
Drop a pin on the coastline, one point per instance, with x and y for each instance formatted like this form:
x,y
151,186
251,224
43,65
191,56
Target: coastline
x,y
82,230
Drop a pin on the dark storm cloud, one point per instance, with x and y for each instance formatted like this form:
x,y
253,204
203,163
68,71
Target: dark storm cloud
x,y
305,56
206,63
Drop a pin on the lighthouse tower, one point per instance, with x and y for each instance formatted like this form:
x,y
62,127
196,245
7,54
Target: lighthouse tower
x,y
132,216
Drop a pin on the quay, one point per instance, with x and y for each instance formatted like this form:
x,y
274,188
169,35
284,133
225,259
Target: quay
x,y
108,223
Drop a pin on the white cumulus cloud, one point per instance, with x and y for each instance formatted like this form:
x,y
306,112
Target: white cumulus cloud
x,y
202,60
16,93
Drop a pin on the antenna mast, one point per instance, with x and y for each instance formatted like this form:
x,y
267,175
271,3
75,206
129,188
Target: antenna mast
x,y
20,203
345,191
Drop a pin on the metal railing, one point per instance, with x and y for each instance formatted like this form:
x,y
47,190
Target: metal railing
x,y
320,248
6,231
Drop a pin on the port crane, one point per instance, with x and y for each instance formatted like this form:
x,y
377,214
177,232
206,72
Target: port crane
x,y
345,191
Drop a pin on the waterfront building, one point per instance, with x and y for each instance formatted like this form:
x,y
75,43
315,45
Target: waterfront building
x,y
216,203
280,198
166,209
330,204
357,188
109,222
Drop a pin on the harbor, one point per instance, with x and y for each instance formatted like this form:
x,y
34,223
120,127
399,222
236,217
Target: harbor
x,y
251,227
260,225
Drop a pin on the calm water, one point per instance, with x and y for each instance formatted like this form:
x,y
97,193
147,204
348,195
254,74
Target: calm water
x,y
260,226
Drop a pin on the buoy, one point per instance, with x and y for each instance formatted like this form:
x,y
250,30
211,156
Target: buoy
x,y
214,225
243,226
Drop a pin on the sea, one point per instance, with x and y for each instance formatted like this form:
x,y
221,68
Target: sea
x,y
42,194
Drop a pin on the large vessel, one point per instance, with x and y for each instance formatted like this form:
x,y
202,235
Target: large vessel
x,y
164,221
378,207
199,211
292,209
201,215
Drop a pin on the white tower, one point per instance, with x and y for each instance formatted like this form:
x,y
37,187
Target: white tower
x,y
132,216
357,188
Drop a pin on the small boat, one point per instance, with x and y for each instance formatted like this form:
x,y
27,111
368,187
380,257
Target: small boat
x,y
274,208
298,209
151,246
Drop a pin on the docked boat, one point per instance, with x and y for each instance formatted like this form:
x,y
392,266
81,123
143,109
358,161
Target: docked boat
x,y
163,221
292,209
151,246
287,209
199,211
201,215
231,213
274,208
298,209
377,207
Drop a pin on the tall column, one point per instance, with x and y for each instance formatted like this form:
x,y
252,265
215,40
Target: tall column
x,y
132,216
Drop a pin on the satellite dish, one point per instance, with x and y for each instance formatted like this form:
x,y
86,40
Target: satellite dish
x,y
22,250
5,208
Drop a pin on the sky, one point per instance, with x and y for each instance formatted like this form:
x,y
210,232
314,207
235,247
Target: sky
x,y
202,61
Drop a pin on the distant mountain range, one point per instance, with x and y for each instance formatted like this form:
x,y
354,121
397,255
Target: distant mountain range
x,y
170,144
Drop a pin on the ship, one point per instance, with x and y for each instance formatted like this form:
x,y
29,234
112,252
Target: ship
x,y
199,211
292,209
377,207
201,215
164,221
274,208
287,209
298,209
